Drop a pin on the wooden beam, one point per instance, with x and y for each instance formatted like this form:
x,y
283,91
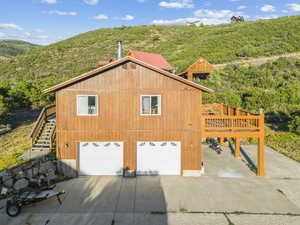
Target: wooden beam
x,y
190,75
221,141
261,157
237,148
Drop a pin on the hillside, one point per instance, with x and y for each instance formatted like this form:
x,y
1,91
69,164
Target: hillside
x,y
15,47
273,86
181,45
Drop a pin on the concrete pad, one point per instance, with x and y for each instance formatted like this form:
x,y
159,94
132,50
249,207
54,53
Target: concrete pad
x,y
196,219
170,219
277,165
149,195
224,164
289,187
210,194
264,220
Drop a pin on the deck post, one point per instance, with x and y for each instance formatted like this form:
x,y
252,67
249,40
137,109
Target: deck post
x,y
261,147
261,157
221,141
221,110
237,148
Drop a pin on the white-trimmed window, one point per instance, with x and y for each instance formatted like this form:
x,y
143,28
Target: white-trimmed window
x,y
87,105
150,105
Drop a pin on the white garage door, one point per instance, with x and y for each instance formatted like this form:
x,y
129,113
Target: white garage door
x,y
158,158
101,158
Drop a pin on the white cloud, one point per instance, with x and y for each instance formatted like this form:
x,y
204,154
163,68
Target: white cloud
x,y
293,7
274,16
141,1
10,26
127,17
2,35
91,2
204,13
268,8
187,21
62,13
177,4
100,17
242,7
49,1
25,35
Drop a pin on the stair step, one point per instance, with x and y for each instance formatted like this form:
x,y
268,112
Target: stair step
x,y
43,141
45,137
41,145
39,149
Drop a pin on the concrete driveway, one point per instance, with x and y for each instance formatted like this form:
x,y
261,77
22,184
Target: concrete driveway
x,y
229,193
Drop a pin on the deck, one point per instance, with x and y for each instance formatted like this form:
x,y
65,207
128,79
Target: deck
x,y
221,121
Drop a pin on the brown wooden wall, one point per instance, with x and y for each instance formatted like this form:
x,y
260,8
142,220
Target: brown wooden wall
x,y
119,119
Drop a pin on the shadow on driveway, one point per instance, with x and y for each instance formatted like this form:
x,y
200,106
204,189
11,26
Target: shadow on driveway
x,y
101,200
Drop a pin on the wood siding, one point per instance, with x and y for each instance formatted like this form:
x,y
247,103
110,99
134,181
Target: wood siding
x,y
119,119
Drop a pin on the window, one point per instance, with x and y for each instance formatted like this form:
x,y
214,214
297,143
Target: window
x,y
150,105
87,105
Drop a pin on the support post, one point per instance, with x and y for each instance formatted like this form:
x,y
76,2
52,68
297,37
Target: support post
x,y
221,141
237,148
190,75
261,148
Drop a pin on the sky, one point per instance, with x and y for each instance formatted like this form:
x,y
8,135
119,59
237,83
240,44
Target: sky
x,y
49,21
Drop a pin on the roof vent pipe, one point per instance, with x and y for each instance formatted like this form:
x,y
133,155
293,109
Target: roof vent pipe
x,y
120,49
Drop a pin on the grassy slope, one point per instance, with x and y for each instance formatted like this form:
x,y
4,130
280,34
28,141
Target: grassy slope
x,y
15,47
181,45
17,141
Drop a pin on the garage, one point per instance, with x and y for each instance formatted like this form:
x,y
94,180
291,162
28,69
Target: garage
x,y
158,158
101,158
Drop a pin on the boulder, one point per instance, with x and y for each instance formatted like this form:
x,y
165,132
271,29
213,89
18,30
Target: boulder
x,y
20,184
8,181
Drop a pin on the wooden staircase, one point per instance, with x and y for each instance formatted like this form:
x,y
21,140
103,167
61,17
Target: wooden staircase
x,y
43,134
44,141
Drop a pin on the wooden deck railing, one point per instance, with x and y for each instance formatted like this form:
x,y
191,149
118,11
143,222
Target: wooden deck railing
x,y
221,109
219,120
47,111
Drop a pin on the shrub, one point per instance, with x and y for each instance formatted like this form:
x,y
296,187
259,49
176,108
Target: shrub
x,y
294,123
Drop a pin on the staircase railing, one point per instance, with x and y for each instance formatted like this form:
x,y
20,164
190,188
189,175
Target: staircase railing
x,y
52,138
46,111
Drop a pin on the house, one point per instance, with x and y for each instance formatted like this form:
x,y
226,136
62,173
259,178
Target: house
x,y
199,70
152,59
129,115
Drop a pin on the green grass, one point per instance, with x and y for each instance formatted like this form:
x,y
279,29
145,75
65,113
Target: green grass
x,y
284,142
16,142
15,47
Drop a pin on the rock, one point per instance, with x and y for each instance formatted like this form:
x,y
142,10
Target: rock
x,y
29,174
8,181
51,175
35,171
20,184
20,175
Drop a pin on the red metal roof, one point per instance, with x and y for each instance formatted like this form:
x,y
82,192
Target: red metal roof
x,y
152,59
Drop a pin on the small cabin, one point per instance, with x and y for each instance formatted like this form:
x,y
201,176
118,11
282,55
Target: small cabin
x,y
199,70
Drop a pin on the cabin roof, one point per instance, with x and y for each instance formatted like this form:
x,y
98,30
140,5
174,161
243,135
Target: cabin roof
x,y
151,58
118,62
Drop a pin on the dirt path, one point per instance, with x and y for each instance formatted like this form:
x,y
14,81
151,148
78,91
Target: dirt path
x,y
260,60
